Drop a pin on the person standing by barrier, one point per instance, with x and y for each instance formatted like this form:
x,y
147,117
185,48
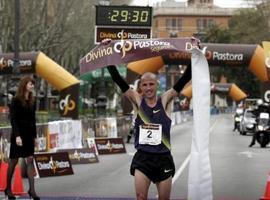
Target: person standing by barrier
x,y
23,137
153,160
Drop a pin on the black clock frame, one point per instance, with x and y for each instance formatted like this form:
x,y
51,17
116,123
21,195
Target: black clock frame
x,y
103,15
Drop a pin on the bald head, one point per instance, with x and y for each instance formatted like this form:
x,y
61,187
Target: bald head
x,y
148,75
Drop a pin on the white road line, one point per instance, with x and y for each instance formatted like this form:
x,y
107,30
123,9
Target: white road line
x,y
186,161
180,170
131,153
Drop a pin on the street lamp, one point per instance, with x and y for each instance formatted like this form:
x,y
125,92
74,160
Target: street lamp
x,y
101,101
16,36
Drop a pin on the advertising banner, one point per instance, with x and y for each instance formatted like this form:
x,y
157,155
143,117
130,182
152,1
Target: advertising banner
x,y
118,33
70,136
52,164
53,136
81,156
26,63
101,127
68,102
110,145
220,87
112,127
124,51
66,134
106,127
217,55
42,131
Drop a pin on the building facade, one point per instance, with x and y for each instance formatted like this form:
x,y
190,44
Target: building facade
x,y
184,19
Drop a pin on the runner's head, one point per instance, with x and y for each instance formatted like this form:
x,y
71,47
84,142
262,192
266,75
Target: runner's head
x,y
149,85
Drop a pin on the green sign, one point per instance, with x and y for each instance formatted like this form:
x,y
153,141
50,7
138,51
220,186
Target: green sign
x,y
93,76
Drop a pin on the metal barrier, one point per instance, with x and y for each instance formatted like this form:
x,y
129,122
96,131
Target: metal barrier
x,y
91,128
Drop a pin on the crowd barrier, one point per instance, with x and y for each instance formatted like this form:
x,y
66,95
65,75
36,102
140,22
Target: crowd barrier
x,y
72,134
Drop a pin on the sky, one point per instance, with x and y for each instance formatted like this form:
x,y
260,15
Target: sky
x,y
221,3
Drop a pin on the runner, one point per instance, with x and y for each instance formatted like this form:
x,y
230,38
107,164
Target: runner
x,y
153,161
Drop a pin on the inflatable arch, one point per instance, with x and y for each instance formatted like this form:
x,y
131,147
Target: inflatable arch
x,y
217,55
57,76
226,88
229,55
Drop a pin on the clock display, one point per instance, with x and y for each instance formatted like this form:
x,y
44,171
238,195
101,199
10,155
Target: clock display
x,y
124,15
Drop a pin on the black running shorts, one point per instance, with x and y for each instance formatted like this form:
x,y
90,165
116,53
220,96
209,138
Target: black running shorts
x,y
157,167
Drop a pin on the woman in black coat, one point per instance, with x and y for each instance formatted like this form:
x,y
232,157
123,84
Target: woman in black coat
x,y
23,122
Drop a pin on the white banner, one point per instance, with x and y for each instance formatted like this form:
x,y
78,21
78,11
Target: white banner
x,y
200,178
112,127
53,129
69,134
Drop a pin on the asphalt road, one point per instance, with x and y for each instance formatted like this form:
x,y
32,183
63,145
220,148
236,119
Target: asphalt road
x,y
239,172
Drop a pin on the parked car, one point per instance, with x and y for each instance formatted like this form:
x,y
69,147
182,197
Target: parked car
x,y
248,122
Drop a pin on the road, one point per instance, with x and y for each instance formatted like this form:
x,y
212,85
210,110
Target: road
x,y
239,172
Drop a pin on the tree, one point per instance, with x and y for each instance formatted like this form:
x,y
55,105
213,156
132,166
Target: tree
x,y
63,30
248,26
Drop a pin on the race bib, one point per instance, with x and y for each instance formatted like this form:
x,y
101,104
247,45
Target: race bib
x,y
264,115
150,134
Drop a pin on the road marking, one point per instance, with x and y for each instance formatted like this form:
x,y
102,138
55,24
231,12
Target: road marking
x,y
186,161
131,153
249,154
181,169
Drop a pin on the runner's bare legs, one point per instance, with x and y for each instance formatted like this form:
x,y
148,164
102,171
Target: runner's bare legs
x,y
142,184
164,189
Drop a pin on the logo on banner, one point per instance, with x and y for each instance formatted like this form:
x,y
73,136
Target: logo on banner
x,y
3,64
81,156
186,55
267,96
220,87
53,164
110,145
122,46
66,104
122,35
10,63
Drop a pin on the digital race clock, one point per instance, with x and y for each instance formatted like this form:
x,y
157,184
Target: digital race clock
x,y
123,15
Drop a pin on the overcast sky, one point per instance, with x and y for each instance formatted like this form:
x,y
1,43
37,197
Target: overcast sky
x,y
221,3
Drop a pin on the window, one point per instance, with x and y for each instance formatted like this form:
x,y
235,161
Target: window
x,y
174,24
168,24
211,23
204,23
199,24
180,24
